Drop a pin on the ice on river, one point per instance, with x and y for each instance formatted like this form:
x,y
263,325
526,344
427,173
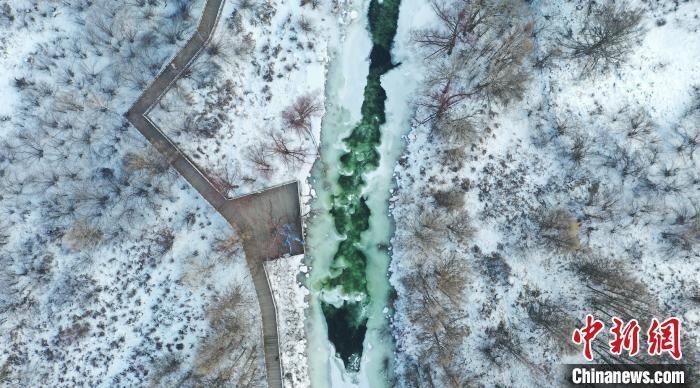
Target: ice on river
x,y
347,78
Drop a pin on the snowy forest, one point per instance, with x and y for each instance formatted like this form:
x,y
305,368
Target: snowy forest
x,y
549,168
551,172
113,272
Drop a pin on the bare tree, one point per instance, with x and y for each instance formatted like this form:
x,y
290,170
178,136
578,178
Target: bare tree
x,y
292,156
628,162
459,226
220,49
230,244
613,291
445,90
225,179
503,341
298,116
305,24
603,201
640,125
497,69
227,356
6,16
436,290
687,140
27,147
458,22
425,232
608,35
552,317
257,155
579,150
684,233
491,71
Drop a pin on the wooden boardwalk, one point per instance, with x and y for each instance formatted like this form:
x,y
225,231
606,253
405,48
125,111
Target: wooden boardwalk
x,y
269,221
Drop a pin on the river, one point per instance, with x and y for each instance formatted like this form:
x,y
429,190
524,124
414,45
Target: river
x,y
348,249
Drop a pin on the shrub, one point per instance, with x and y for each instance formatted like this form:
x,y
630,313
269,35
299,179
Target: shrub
x,y
559,229
4,237
151,163
164,369
314,3
70,335
456,131
451,199
496,268
82,235
165,240
6,15
247,5
454,157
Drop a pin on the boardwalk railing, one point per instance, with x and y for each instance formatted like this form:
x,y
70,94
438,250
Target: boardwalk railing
x,y
251,213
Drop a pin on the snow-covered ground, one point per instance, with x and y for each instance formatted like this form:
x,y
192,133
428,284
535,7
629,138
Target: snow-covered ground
x,y
585,183
113,271
291,301
227,113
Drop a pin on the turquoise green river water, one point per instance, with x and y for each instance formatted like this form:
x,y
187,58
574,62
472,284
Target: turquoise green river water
x,y
352,286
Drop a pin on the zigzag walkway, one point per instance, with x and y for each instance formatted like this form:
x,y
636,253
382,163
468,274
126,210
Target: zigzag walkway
x,y
265,219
